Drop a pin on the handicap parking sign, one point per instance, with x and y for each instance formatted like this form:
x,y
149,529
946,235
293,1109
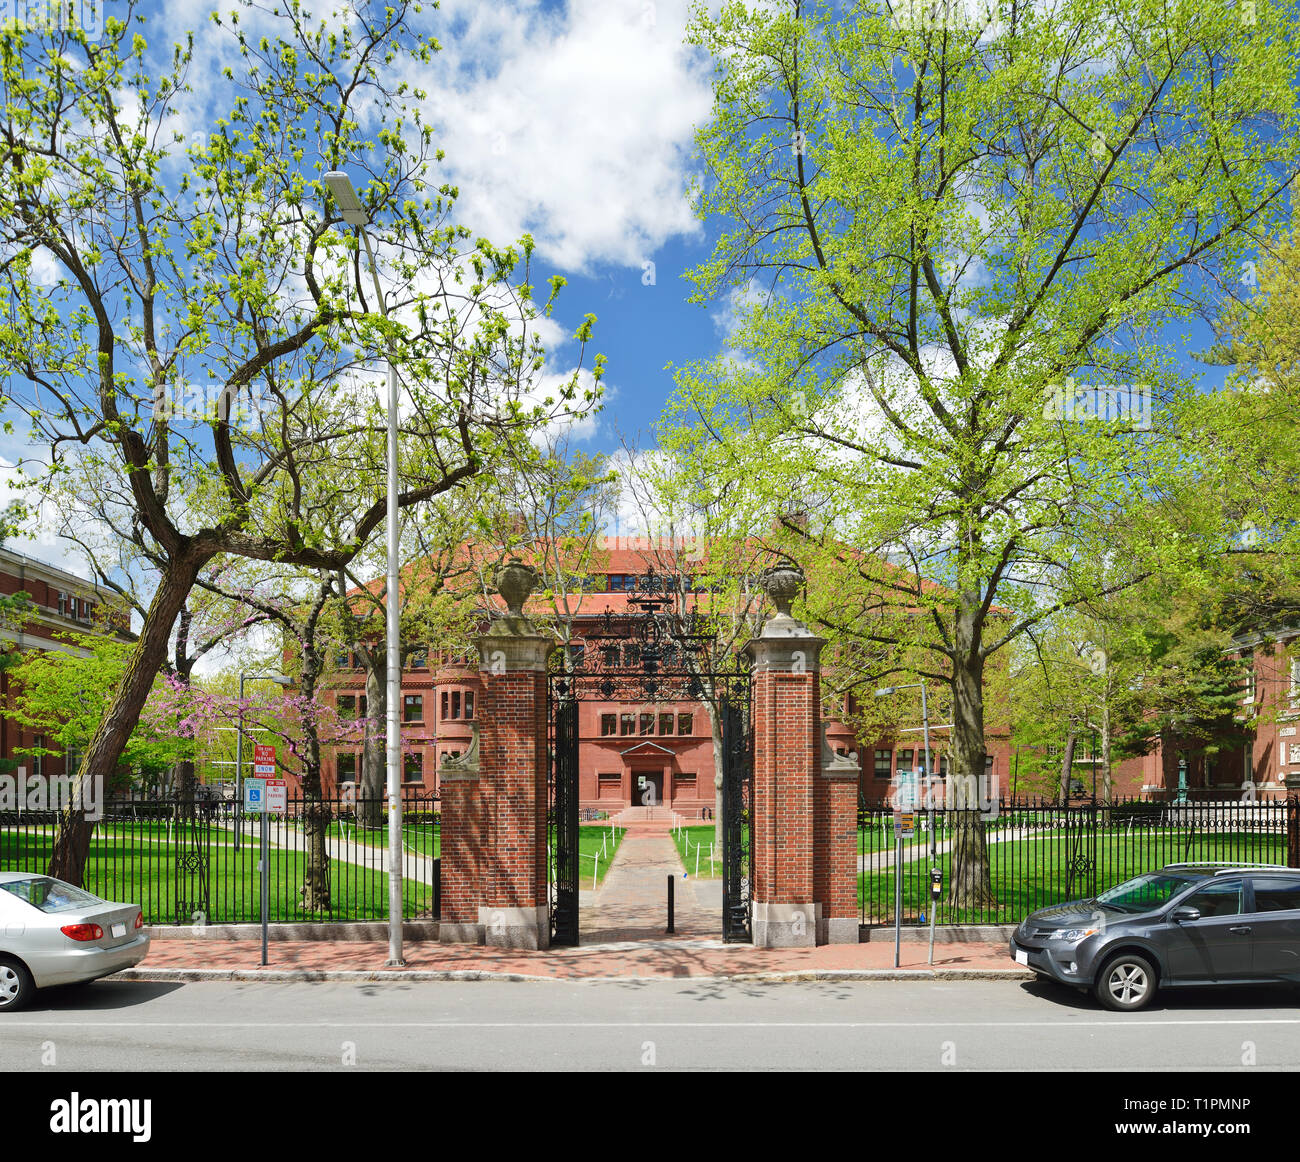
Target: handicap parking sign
x,y
254,795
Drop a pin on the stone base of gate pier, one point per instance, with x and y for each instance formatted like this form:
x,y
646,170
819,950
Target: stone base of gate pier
x,y
837,930
450,933
800,926
785,925
515,927
501,928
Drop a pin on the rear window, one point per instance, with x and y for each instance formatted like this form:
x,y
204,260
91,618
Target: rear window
x,y
1277,894
49,894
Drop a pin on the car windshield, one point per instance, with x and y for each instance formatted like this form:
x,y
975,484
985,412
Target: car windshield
x,y
49,894
1142,893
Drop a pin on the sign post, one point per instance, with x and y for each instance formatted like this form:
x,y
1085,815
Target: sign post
x,y
271,795
904,828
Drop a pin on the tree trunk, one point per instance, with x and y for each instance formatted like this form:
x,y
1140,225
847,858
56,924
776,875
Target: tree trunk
x,y
316,819
72,841
1067,769
971,879
1105,752
183,779
316,814
315,891
374,755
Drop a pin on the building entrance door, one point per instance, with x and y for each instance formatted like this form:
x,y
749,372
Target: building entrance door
x,y
647,788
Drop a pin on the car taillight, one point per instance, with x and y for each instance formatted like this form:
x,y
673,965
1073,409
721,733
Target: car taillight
x,y
139,920
83,931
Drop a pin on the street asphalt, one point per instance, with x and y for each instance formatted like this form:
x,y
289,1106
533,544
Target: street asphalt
x,y
703,1024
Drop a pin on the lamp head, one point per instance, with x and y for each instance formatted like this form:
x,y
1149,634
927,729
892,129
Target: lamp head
x,y
345,196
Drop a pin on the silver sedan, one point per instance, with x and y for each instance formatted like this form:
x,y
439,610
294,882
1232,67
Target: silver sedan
x,y
54,933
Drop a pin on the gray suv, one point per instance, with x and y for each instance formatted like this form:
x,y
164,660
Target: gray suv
x,y
1187,924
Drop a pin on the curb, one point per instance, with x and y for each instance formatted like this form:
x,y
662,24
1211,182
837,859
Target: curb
x,y
283,976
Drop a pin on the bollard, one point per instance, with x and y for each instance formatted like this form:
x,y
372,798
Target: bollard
x,y
670,906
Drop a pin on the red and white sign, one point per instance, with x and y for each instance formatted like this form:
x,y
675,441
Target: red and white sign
x,y
264,761
277,795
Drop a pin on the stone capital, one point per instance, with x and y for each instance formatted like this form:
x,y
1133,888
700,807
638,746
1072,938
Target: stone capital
x,y
792,654
508,652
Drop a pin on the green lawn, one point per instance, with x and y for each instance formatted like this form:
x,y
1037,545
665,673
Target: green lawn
x,y
147,873
594,839
421,838
1029,874
693,848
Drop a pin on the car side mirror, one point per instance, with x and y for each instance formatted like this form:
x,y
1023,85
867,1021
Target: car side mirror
x,y
1179,915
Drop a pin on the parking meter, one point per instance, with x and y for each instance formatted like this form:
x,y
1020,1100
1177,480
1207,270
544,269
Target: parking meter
x,y
936,882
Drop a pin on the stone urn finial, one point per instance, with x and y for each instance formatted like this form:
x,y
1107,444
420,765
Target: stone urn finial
x,y
781,583
516,582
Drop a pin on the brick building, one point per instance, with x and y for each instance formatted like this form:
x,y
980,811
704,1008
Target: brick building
x,y
60,602
628,751
1263,762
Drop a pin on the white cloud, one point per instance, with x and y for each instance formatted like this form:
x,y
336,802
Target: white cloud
x,y
576,127
41,540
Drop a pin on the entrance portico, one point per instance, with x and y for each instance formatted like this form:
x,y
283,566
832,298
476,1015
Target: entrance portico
x,y
510,866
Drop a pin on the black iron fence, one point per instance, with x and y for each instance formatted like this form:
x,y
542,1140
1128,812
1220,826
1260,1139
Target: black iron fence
x,y
1039,854
197,862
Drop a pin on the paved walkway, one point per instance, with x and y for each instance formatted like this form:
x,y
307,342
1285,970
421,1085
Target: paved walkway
x,y
632,901
882,858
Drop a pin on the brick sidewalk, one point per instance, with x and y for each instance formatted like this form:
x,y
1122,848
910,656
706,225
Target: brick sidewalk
x,y
688,957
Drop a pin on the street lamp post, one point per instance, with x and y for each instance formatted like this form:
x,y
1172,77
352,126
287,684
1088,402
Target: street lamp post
x,y
280,680
929,796
354,214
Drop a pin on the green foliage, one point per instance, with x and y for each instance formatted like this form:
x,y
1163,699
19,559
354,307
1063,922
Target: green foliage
x,y
930,237
1252,448
13,609
205,342
61,693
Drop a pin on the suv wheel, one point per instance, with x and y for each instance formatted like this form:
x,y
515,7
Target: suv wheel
x,y
1126,983
16,985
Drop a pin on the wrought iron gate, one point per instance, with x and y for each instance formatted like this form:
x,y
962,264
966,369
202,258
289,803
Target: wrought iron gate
x,y
648,655
1081,851
193,843
737,817
562,824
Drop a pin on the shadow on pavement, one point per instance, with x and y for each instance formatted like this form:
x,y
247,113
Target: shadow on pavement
x,y
1192,1000
99,996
